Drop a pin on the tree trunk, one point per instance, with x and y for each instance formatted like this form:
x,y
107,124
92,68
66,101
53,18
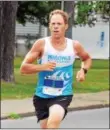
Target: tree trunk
x,y
1,38
69,8
8,40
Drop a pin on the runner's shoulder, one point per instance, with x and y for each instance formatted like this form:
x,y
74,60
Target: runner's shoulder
x,y
40,42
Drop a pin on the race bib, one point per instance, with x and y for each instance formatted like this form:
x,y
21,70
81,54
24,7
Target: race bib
x,y
53,86
52,91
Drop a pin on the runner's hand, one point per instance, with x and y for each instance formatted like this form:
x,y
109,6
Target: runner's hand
x,y
80,76
50,66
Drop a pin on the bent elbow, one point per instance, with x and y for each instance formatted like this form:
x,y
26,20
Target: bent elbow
x,y
22,70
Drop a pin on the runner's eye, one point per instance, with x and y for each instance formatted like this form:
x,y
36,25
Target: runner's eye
x,y
53,23
59,23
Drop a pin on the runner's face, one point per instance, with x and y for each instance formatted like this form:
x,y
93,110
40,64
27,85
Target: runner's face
x,y
57,26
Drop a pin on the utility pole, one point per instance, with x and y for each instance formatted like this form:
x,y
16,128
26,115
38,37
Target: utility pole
x,y
68,6
62,5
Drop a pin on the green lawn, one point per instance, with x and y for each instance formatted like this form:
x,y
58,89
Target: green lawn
x,y
97,80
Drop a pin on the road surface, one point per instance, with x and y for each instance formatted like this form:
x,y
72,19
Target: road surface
x,y
94,118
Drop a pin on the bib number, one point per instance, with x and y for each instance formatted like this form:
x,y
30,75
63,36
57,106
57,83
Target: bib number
x,y
53,86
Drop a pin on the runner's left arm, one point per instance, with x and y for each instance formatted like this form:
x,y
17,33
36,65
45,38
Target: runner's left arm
x,y
85,58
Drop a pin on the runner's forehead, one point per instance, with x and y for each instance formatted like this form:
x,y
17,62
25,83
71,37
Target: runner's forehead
x,y
57,18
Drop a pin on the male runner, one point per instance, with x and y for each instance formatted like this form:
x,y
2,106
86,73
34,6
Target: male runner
x,y
56,55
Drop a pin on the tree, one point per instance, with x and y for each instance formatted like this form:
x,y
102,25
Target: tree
x,y
87,11
84,11
1,38
34,11
69,8
7,39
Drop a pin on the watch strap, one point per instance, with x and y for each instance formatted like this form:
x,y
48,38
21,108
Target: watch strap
x,y
85,70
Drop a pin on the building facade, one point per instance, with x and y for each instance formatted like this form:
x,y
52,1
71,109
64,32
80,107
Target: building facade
x,y
94,39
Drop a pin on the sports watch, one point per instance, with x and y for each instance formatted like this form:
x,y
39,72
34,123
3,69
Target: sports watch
x,y
85,70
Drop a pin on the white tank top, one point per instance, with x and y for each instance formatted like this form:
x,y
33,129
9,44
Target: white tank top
x,y
59,81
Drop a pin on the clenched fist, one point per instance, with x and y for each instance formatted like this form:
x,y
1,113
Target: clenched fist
x,y
50,66
80,76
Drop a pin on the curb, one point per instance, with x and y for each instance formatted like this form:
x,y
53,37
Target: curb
x,y
28,114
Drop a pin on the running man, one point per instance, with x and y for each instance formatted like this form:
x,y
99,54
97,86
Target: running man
x,y
56,55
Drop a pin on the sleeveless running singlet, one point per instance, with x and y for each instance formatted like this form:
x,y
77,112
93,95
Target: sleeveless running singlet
x,y
59,81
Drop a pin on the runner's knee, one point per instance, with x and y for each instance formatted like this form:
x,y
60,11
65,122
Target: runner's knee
x,y
43,123
56,114
54,123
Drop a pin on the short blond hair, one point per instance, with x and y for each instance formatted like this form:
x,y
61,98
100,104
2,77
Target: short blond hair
x,y
61,12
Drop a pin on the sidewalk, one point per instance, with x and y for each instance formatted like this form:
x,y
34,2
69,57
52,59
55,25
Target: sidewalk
x,y
25,107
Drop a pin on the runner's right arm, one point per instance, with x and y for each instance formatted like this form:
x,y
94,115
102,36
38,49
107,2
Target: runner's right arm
x,y
27,66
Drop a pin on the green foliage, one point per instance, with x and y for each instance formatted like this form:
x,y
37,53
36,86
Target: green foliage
x,y
88,11
34,11
103,7
13,116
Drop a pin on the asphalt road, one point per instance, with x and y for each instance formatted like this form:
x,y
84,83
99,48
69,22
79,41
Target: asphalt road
x,y
86,119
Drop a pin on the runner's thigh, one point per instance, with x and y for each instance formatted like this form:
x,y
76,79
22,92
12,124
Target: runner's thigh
x,y
56,113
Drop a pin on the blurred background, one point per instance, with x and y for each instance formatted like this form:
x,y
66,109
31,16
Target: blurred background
x,y
23,22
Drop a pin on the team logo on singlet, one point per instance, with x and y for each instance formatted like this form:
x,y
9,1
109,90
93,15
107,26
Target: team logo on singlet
x,y
59,59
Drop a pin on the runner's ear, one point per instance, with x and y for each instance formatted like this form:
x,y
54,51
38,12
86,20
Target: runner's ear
x,y
66,27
